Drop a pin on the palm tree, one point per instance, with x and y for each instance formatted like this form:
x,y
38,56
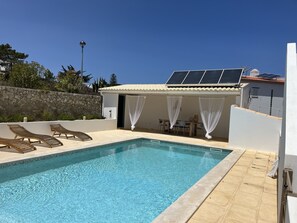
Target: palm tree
x,y
71,80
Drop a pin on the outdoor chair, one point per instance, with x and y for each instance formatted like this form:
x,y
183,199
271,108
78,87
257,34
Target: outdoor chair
x,y
59,129
19,145
182,126
22,133
163,125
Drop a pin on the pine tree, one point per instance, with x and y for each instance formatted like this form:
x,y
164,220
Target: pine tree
x,y
113,80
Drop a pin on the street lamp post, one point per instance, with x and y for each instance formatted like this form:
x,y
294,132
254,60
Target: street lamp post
x,y
82,44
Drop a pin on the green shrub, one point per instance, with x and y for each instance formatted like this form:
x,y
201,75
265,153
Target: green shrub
x,y
66,117
47,116
93,116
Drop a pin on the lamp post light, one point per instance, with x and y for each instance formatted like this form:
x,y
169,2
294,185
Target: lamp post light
x,y
82,44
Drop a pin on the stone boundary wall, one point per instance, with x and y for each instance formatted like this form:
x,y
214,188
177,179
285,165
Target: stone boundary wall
x,y
43,103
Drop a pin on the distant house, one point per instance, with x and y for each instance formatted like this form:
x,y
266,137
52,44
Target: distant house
x,y
266,92
4,66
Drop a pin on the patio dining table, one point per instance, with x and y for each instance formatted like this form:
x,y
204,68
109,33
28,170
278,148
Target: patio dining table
x,y
193,126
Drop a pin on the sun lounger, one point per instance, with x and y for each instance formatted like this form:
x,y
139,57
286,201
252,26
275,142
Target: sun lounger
x,y
22,133
59,129
19,145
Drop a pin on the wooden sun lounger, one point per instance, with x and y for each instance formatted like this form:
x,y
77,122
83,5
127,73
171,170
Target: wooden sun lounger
x,y
59,129
22,133
19,145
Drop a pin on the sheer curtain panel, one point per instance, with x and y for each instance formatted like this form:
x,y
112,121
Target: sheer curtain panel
x,y
211,110
173,106
135,105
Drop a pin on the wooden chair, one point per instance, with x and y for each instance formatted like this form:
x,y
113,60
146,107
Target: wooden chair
x,y
22,133
18,145
59,129
163,125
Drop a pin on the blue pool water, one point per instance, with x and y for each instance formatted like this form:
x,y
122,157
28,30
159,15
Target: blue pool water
x,y
133,181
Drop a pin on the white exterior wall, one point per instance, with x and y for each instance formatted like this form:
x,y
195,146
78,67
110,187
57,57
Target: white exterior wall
x,y
252,130
244,98
156,107
110,106
288,149
77,125
261,103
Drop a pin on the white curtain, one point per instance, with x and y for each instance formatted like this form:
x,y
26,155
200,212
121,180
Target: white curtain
x,y
211,110
135,105
173,106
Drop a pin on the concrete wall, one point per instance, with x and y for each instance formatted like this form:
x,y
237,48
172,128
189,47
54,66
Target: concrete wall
x,y
287,148
77,125
253,130
41,103
156,107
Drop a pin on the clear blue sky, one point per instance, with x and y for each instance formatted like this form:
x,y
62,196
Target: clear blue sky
x,y
144,41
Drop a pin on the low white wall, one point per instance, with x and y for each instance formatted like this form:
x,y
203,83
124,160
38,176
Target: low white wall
x,y
77,125
253,130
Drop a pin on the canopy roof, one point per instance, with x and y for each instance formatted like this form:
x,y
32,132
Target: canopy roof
x,y
162,89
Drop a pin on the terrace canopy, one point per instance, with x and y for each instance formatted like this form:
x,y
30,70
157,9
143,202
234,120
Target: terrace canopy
x,y
156,103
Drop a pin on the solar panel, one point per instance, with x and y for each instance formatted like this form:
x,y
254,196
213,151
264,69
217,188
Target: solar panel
x,y
211,77
223,77
177,77
268,76
231,76
194,77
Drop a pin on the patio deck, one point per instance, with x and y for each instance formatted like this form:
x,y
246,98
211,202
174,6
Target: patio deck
x,y
244,195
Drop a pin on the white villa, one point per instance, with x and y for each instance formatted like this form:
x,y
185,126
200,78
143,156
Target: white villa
x,y
242,127
223,109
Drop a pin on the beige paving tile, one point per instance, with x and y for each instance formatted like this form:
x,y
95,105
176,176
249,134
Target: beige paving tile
x,y
230,220
227,188
256,172
232,179
269,188
247,184
242,214
200,220
244,162
268,213
257,167
252,180
219,198
253,189
269,199
247,200
262,155
260,163
209,213
242,169
237,173
269,180
250,152
262,221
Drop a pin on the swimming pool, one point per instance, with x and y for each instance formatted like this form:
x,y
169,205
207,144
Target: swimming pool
x,y
132,181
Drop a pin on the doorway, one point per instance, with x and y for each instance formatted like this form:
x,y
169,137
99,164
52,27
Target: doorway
x,y
121,111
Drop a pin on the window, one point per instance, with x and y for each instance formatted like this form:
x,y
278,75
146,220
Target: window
x,y
254,91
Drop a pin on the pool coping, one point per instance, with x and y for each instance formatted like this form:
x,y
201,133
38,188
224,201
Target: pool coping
x,y
186,205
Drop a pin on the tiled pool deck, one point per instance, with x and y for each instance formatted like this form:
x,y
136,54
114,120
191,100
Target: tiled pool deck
x,y
245,194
